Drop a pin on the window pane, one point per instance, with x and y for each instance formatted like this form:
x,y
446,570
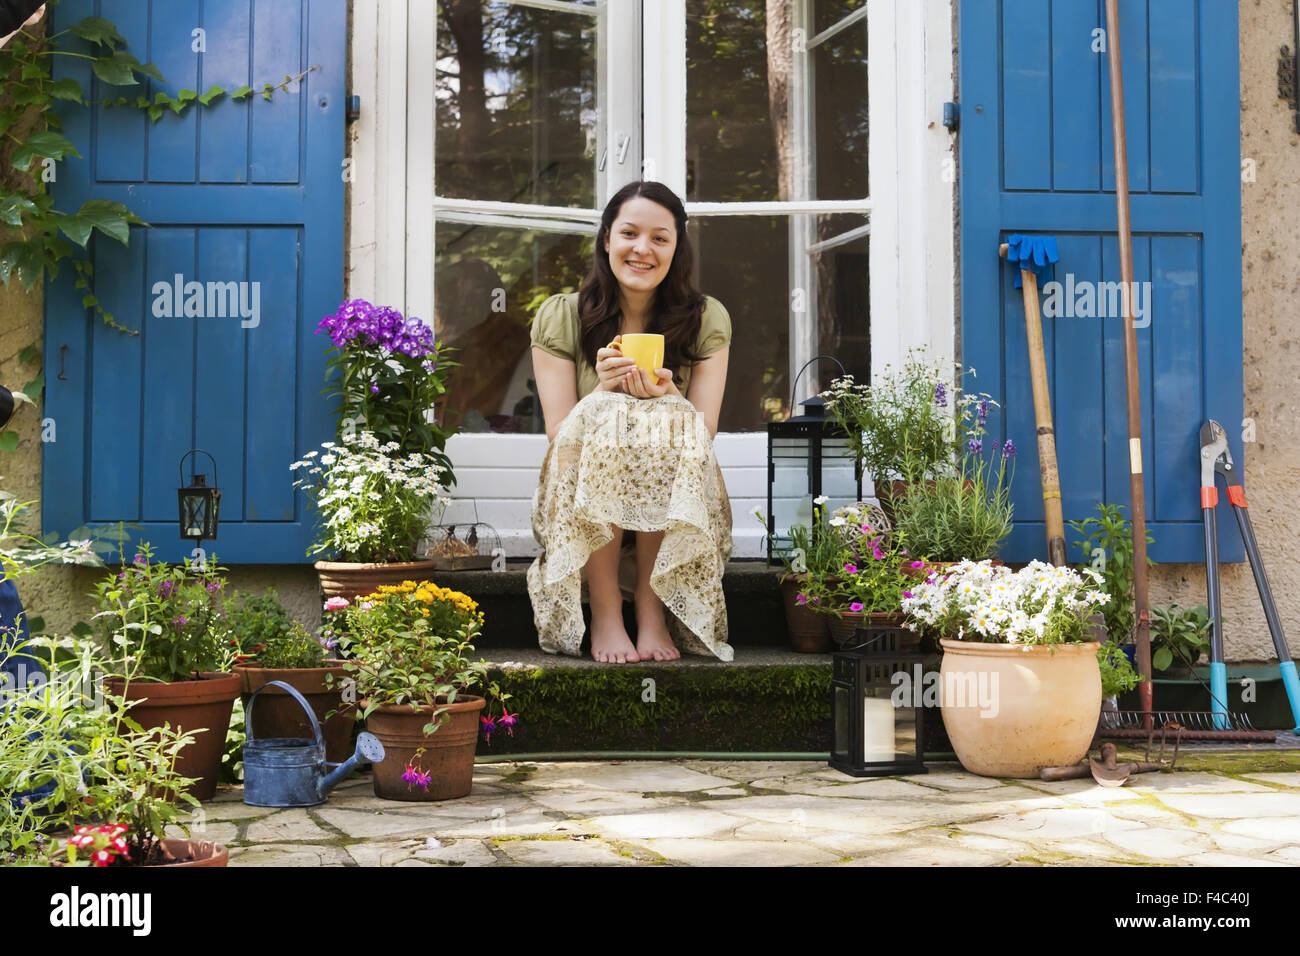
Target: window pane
x,y
840,113
843,299
827,13
515,104
489,281
742,63
744,264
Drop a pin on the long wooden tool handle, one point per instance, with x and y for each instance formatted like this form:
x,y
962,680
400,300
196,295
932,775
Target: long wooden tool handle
x,y
1051,478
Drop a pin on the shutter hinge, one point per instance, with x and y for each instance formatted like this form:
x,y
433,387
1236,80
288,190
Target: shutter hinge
x,y
951,116
354,107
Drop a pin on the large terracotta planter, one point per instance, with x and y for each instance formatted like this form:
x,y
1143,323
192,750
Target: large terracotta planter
x,y
448,752
201,707
279,715
806,628
1024,708
195,852
350,580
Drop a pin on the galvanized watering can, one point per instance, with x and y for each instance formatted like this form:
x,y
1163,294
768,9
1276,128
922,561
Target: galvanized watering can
x,y
291,771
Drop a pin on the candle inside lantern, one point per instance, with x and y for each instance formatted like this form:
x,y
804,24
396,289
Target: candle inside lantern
x,y
877,730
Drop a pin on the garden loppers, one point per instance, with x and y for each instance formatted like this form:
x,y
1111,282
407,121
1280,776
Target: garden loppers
x,y
1216,459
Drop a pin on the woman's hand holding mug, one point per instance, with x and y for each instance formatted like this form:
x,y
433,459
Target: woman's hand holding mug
x,y
612,367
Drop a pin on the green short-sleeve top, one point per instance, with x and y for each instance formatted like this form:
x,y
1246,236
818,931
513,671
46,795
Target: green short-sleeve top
x,y
555,330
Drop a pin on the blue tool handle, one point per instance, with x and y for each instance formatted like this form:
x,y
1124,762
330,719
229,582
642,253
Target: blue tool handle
x,y
1292,684
1219,694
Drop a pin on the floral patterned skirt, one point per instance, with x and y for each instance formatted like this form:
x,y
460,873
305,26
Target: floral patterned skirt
x,y
643,465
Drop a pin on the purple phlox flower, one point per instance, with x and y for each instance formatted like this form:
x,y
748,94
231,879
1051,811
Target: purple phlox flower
x,y
1009,449
851,569
489,727
856,606
508,721
976,445
983,411
801,598
878,554
360,324
941,395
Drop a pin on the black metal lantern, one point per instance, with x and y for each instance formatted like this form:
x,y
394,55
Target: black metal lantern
x,y
808,456
879,713
200,503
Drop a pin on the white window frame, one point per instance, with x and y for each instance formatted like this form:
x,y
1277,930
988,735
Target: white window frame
x,y
912,208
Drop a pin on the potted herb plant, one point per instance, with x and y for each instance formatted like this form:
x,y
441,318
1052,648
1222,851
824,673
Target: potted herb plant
x,y
163,631
302,661
372,503
103,791
1117,677
962,516
1022,686
410,654
1107,546
1179,638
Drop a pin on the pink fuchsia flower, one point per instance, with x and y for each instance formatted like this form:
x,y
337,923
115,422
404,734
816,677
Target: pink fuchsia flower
x,y
856,606
337,604
489,727
410,774
423,778
851,569
508,721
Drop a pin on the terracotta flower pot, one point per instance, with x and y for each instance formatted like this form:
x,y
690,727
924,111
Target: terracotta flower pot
x,y
883,630
195,852
448,755
201,707
279,715
351,580
1012,709
807,629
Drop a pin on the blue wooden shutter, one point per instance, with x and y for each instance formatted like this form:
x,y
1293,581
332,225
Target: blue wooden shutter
x,y
1036,157
247,192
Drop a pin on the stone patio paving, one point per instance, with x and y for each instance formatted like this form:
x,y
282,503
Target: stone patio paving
x,y
697,812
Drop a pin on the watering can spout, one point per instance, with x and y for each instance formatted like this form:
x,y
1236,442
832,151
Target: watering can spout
x,y
369,750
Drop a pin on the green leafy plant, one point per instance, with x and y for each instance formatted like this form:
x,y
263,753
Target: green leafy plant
x,y
1179,635
163,622
1117,673
871,579
32,392
296,649
71,757
1108,549
255,620
906,425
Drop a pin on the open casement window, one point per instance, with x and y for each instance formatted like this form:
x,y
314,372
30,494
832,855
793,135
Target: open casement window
x,y
754,111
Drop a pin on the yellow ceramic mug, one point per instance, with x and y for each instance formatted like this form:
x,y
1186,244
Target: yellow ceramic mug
x,y
644,348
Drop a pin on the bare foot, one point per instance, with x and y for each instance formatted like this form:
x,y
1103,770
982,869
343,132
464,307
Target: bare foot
x,y
653,642
610,643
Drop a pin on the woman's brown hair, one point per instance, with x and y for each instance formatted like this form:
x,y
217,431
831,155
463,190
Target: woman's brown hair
x,y
678,305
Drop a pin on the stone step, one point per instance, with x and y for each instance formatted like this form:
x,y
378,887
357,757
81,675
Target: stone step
x,y
755,615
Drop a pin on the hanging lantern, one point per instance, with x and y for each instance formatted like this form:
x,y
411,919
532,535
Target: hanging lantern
x,y
200,503
878,712
808,456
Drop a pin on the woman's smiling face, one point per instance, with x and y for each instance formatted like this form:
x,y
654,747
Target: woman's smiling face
x,y
641,244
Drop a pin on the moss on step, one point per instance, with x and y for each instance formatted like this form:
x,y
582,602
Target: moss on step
x,y
774,708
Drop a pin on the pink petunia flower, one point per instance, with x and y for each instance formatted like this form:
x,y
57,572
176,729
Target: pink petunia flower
x,y
851,569
918,564
856,606
878,554
801,598
907,594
